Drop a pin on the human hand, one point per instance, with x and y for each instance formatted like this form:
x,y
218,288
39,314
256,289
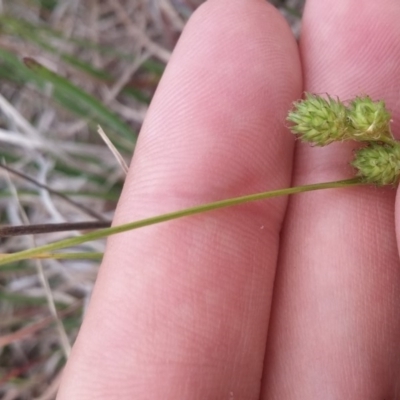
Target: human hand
x,y
273,299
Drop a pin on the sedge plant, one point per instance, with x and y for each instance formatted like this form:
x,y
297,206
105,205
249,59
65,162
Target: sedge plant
x,y
316,120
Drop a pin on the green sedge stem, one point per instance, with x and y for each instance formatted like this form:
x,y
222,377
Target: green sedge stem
x,y
102,233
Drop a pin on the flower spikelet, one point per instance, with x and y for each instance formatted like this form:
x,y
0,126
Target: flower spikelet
x,y
378,164
319,121
368,120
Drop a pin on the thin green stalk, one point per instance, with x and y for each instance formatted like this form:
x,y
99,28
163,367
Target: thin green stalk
x,y
102,233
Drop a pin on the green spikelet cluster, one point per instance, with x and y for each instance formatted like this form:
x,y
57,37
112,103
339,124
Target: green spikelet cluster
x,y
378,164
321,121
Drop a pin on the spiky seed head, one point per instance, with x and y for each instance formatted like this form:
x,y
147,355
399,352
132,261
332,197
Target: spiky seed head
x,y
319,121
378,164
368,120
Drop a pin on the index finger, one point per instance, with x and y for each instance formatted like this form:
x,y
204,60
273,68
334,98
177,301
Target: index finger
x,y
180,310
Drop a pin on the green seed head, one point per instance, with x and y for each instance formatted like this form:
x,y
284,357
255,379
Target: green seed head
x,y
368,120
378,164
319,121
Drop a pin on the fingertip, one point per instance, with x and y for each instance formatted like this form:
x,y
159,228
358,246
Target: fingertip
x,y
351,47
223,98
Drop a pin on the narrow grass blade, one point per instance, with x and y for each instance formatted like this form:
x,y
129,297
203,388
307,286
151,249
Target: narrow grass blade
x,y
84,103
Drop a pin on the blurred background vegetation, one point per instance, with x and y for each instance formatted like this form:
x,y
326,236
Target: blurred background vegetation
x,y
67,66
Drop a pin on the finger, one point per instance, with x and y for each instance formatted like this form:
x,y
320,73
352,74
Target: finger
x,y
335,324
180,310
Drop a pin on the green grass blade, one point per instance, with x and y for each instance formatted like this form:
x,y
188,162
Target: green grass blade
x,y
72,256
43,35
19,300
85,104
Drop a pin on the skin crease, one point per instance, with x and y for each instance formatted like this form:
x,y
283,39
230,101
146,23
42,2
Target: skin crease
x,y
268,300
